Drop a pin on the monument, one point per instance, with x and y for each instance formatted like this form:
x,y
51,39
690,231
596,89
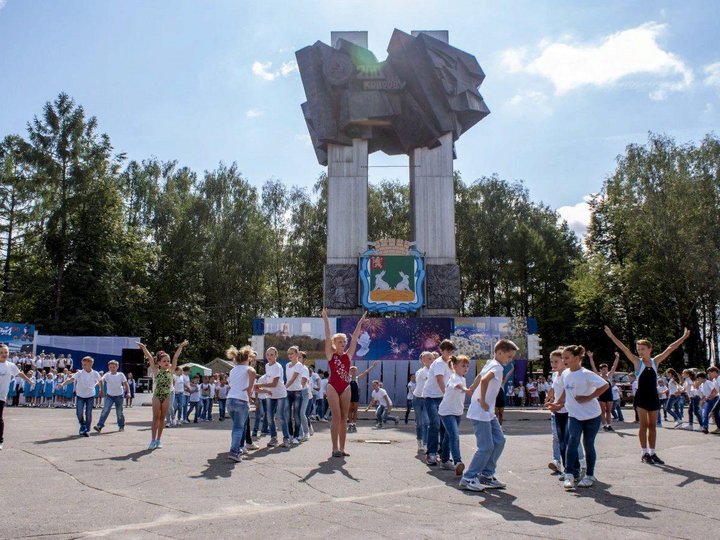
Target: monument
x,y
417,102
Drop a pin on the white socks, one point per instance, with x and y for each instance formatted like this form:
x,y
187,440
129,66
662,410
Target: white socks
x,y
644,451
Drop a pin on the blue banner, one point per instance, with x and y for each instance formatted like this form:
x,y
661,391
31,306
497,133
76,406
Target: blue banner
x,y
17,336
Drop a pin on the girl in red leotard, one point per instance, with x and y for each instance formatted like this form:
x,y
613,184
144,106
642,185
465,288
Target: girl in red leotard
x,y
338,390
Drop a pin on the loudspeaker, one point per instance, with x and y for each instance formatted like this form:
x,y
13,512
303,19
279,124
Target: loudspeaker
x,y
133,361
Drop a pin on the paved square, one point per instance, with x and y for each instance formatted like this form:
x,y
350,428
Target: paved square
x,y
56,485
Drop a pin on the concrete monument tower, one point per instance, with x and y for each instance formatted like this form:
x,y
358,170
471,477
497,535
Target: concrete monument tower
x,y
417,102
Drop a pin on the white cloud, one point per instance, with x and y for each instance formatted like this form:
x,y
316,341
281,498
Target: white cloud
x,y
577,216
2,3
530,101
712,75
627,55
264,69
254,113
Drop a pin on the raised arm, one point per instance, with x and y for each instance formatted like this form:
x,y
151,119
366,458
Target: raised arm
x,y
591,356
328,337
615,365
671,349
355,336
177,354
620,345
365,373
148,357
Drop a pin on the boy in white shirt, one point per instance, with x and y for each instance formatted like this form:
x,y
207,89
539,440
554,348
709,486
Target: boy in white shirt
x,y
421,420
8,372
117,390
439,373
384,405
85,382
488,433
194,399
709,389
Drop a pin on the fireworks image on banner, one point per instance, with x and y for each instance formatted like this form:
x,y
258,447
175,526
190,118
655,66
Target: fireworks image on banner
x,y
399,339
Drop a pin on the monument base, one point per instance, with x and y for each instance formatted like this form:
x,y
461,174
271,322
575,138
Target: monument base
x,y
340,286
442,292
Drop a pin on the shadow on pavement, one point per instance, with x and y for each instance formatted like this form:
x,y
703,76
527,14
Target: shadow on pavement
x,y
690,476
58,440
217,467
624,506
503,503
330,466
133,456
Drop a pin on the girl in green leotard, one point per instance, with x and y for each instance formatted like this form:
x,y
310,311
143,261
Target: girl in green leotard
x,y
162,369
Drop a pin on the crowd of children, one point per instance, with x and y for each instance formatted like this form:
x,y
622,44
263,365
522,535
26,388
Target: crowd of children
x,y
580,400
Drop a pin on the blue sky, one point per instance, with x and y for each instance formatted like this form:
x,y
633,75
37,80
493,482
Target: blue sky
x,y
569,84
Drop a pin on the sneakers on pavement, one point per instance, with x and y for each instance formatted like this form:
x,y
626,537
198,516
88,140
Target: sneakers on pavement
x,y
431,460
492,483
459,468
656,460
472,484
253,446
235,457
554,466
272,442
447,465
587,481
569,482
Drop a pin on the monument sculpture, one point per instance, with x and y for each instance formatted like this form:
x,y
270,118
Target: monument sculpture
x,y
417,102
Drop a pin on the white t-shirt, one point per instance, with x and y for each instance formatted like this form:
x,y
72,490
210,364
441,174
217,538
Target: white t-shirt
x,y
438,367
262,380
615,393
582,382
290,370
238,381
453,402
421,376
323,388
222,391
379,395
558,389
115,383
274,371
706,388
315,384
8,371
179,382
411,389
85,382
673,388
475,411
305,378
634,387
194,393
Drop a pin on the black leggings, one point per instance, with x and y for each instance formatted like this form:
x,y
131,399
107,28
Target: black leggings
x,y
248,438
2,422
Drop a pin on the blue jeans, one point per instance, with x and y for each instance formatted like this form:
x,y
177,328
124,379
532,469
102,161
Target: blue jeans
x,y
194,406
557,455
431,408
107,407
83,409
261,413
304,421
179,406
221,405
294,400
561,426
694,409
617,410
238,410
709,408
206,411
490,443
673,407
421,421
586,430
451,440
382,415
278,406
320,407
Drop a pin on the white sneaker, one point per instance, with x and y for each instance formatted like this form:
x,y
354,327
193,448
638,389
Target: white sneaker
x,y
305,438
0,446
448,465
472,484
235,457
253,446
554,465
158,444
168,424
586,482
295,441
312,431
569,482
492,483
285,443
420,444
678,424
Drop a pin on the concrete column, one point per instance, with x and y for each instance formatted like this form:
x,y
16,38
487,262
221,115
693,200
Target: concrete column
x,y
432,199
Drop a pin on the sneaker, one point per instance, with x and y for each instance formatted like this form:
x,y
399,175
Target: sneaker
x,y
554,466
0,446
656,460
431,460
168,424
715,431
312,431
98,428
152,446
378,426
586,482
705,430
294,441
472,484
253,446
420,445
447,465
610,428
305,438
234,457
285,443
272,442
569,482
158,444
459,468
678,424
121,429
492,483
85,434
646,458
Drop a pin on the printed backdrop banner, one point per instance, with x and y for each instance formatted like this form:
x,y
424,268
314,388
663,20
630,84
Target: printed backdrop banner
x,y
396,339
17,336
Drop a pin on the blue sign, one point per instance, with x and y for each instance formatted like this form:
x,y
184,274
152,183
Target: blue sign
x,y
17,336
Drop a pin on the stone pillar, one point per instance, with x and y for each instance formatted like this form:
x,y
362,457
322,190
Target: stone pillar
x,y
432,200
347,225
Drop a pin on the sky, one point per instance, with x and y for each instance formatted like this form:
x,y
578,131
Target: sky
x,y
569,84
